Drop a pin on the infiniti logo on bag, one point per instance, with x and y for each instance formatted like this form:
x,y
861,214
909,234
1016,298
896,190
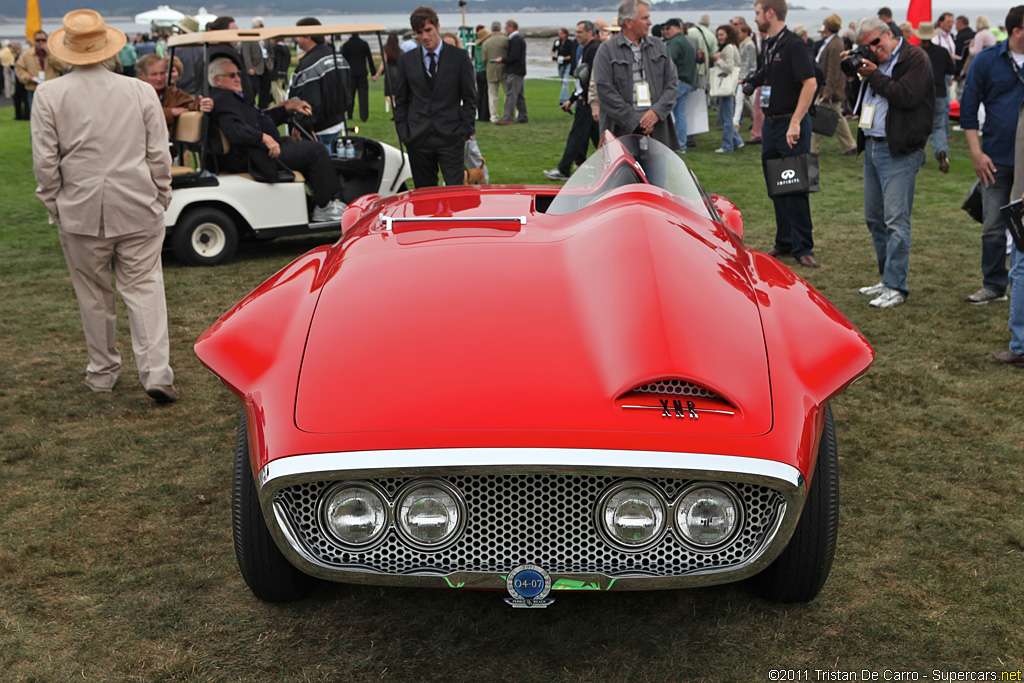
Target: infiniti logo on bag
x,y
788,173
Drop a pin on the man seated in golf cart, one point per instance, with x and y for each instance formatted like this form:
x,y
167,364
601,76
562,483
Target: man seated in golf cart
x,y
255,146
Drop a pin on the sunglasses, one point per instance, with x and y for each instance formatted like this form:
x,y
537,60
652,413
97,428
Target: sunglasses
x,y
875,42
232,74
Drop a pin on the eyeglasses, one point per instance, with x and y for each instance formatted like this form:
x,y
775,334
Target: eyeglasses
x,y
40,40
231,74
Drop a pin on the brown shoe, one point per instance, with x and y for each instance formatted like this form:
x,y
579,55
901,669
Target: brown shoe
x,y
163,393
808,261
776,253
943,162
506,123
1009,357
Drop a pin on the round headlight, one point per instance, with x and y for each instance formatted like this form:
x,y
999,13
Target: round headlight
x,y
707,515
429,513
632,515
354,514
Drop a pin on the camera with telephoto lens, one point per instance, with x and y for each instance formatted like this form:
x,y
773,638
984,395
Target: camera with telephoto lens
x,y
751,81
854,58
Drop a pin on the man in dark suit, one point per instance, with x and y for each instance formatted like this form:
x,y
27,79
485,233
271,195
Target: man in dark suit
x,y
435,103
515,72
357,53
256,145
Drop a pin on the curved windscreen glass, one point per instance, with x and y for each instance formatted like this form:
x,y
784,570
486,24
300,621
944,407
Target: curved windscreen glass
x,y
627,160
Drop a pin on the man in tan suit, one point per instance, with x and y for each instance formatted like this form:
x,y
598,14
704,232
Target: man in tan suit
x,y
491,51
37,65
835,85
104,175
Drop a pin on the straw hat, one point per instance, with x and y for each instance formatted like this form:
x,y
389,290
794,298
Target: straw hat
x,y
188,25
482,35
85,39
926,30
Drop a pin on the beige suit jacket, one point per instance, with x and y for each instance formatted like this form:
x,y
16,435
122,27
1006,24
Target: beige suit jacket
x,y
100,153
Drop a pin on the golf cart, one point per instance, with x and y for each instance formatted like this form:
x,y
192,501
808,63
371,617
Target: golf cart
x,y
211,210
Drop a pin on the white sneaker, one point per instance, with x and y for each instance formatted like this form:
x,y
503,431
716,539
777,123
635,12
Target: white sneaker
x,y
889,298
555,174
741,145
983,296
873,290
722,150
329,212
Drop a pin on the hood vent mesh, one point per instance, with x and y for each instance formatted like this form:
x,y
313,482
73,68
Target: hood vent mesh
x,y
675,387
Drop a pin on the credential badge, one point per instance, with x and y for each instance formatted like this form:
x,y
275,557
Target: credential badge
x,y
528,585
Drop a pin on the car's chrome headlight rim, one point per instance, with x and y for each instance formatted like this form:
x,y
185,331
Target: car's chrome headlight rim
x,y
679,508
661,524
455,529
371,491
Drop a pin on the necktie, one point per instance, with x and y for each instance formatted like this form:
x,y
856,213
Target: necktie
x,y
433,64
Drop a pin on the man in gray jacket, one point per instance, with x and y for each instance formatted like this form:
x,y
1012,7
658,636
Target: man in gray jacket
x,y
637,81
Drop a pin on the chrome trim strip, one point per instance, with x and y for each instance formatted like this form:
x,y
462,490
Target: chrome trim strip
x,y
452,461
388,221
458,461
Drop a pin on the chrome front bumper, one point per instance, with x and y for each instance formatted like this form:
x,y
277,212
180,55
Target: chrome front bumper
x,y
531,506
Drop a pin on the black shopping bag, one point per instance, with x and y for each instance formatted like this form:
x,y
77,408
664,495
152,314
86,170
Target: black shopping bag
x,y
792,175
972,205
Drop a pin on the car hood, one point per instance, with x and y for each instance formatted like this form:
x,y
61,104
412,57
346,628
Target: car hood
x,y
550,327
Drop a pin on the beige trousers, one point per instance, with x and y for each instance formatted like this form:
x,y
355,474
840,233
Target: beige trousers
x,y
843,134
135,261
494,100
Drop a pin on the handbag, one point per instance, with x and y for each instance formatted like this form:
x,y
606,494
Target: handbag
x,y
792,175
723,82
824,121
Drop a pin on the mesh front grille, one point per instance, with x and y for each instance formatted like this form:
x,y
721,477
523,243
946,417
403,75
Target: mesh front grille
x,y
675,387
538,519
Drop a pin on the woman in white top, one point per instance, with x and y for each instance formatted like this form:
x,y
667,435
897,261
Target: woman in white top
x,y
728,59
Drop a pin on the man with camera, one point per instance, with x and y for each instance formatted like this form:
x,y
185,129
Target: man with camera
x,y
896,104
787,84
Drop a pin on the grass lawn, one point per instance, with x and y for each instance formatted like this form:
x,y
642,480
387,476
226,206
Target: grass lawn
x,y
116,558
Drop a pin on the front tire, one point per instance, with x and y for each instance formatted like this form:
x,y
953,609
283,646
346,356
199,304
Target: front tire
x,y
205,237
268,574
798,574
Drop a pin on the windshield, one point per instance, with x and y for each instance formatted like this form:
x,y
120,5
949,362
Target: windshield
x,y
625,161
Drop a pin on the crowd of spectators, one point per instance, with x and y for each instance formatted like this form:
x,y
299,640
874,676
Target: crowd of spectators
x,y
635,77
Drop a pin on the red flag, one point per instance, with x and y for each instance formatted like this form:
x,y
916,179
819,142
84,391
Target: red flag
x,y
919,10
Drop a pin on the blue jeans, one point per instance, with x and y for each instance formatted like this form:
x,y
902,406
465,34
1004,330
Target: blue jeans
x,y
328,141
794,232
940,127
679,113
563,72
888,202
993,234
730,138
1016,300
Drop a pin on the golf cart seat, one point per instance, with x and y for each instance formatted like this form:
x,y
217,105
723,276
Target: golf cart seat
x,y
188,136
284,175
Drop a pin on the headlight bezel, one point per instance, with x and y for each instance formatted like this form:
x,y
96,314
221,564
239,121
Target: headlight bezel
x,y
601,507
730,493
326,498
411,487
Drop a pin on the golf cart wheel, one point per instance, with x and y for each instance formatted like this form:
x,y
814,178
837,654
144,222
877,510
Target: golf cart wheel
x,y
205,237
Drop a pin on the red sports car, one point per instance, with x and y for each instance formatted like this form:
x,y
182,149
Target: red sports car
x,y
536,389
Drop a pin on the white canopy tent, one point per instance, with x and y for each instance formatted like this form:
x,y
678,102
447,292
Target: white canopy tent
x,y
161,16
